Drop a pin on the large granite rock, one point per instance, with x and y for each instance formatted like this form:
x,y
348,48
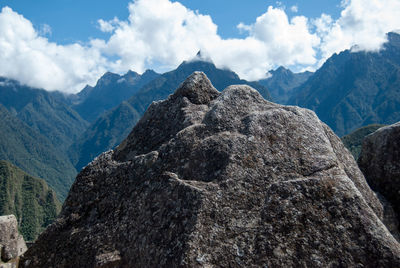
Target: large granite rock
x,y
209,179
380,162
12,244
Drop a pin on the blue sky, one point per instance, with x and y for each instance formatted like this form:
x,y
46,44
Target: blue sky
x,y
73,21
66,44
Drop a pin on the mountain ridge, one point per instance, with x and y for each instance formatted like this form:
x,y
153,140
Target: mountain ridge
x,y
43,111
110,90
282,82
353,89
97,138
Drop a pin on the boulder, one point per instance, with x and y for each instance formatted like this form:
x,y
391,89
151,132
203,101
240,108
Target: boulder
x,y
210,179
380,162
12,244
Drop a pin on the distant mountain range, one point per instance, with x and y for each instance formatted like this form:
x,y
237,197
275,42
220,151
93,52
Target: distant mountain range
x,y
354,89
110,90
52,135
111,128
281,83
29,199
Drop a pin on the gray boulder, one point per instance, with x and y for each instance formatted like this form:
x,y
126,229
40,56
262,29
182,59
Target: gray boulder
x,y
380,162
12,244
210,179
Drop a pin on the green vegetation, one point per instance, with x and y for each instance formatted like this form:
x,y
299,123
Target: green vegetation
x,y
353,141
34,153
43,111
30,199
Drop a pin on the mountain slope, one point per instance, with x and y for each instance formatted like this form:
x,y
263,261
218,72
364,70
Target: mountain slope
x,y
110,90
34,153
105,133
282,82
355,89
98,137
43,112
30,199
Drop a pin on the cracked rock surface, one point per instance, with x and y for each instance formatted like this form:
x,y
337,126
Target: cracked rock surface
x,y
210,179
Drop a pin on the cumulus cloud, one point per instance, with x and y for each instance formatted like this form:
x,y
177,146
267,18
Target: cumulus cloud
x,y
166,33
45,29
108,26
363,25
33,60
160,34
294,9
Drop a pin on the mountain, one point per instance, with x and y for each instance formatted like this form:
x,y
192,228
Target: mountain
x,y
43,111
30,199
111,89
29,150
282,82
220,179
104,134
354,140
353,89
111,128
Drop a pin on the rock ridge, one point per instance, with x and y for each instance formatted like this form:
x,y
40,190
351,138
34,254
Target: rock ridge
x,y
220,179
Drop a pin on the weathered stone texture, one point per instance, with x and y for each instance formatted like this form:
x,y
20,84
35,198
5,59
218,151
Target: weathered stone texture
x,y
12,244
209,179
380,162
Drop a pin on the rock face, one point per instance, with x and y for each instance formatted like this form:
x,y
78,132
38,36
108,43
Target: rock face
x,y
210,179
12,244
380,162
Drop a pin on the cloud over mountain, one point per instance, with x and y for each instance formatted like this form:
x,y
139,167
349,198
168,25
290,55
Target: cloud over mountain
x,y
363,23
33,60
160,34
166,33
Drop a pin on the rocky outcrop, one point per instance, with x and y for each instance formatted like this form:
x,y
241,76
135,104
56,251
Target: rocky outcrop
x,y
210,179
12,244
380,162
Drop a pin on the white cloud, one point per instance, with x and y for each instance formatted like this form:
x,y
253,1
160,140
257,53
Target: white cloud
x,y
362,22
160,34
294,9
108,26
45,29
31,59
166,33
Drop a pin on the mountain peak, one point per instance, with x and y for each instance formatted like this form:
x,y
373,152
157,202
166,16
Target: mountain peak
x,y
394,38
107,78
281,71
132,74
149,71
